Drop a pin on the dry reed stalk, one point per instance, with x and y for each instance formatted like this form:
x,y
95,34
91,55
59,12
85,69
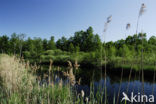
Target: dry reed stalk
x,y
153,84
79,81
50,70
109,19
60,84
27,65
134,83
129,78
142,67
69,64
76,65
71,75
123,58
142,10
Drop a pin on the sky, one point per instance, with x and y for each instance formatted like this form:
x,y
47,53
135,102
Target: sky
x,y
46,18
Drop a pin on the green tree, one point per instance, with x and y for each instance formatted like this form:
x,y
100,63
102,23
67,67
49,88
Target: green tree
x,y
4,44
71,47
112,52
51,43
14,43
62,44
45,44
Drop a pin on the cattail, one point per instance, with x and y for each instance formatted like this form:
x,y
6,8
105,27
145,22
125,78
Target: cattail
x,y
142,9
82,93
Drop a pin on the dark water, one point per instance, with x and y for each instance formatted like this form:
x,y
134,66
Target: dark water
x,y
113,84
96,79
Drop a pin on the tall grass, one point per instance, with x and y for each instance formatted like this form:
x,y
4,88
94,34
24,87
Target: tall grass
x,y
19,85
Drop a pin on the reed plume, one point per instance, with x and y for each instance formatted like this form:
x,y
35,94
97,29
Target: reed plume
x,y
109,19
141,12
71,75
128,26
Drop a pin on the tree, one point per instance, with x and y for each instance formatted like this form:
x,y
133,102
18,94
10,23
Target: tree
x,y
45,44
14,43
62,44
21,41
112,52
152,40
51,43
38,46
71,47
4,44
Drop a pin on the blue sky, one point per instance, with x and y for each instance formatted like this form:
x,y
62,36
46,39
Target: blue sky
x,y
44,18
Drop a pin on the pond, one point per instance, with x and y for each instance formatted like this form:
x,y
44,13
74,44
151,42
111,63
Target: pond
x,y
130,84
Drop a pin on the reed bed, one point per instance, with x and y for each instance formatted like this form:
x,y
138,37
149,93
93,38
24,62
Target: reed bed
x,y
20,85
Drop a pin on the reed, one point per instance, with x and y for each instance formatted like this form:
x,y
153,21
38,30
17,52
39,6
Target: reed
x,y
142,10
20,87
109,19
123,58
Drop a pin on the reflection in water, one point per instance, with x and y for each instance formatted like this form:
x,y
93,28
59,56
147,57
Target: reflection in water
x,y
91,79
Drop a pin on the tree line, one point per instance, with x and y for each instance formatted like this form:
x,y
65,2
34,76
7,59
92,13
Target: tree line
x,y
84,41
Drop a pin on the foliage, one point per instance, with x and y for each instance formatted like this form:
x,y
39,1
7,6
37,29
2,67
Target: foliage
x,y
84,46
